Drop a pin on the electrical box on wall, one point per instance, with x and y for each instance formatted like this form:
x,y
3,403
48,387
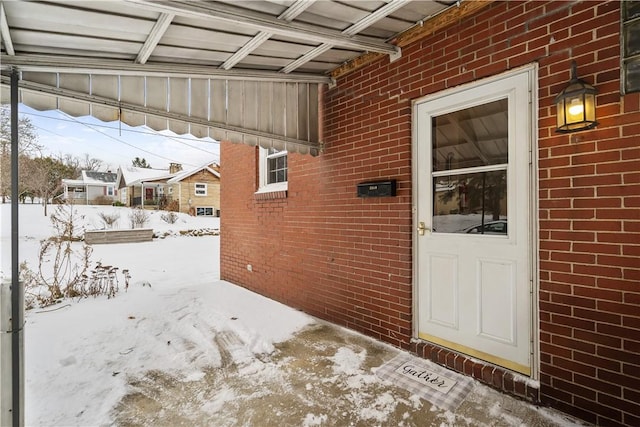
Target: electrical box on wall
x,y
377,189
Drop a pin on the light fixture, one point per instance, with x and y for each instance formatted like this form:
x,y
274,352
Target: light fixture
x,y
576,105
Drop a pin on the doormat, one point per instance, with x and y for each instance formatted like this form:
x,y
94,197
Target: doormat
x,y
440,386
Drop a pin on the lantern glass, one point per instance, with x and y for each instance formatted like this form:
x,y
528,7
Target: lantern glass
x,y
576,105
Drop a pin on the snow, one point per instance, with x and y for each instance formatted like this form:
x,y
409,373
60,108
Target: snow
x,y
80,354
177,320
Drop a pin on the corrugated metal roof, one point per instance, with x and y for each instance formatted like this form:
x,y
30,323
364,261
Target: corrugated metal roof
x,y
157,62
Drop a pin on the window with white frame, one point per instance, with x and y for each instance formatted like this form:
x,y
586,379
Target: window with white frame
x,y
200,189
109,191
204,211
630,46
273,166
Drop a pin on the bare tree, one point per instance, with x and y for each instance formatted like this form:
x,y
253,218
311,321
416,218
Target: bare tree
x,y
28,146
90,163
43,177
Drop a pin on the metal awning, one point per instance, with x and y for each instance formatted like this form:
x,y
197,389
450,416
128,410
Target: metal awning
x,y
242,71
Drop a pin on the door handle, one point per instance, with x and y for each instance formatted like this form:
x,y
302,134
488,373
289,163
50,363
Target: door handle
x,y
422,228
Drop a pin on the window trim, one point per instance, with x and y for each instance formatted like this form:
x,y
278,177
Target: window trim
x,y
213,210
264,186
196,191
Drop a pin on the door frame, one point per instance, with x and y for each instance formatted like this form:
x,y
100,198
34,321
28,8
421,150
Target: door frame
x,y
532,71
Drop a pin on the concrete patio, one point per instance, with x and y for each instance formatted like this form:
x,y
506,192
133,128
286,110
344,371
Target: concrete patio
x,y
324,376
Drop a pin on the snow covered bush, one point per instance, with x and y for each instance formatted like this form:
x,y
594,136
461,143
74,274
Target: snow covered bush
x,y
169,217
64,265
138,217
109,220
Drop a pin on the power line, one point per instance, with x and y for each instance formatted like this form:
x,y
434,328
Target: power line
x,y
152,133
120,141
92,148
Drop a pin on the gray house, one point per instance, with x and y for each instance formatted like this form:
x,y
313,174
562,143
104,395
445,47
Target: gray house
x,y
91,188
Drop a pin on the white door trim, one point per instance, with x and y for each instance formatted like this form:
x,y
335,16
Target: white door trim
x,y
532,70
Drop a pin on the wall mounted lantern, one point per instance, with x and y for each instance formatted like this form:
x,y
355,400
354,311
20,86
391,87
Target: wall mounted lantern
x,y
576,105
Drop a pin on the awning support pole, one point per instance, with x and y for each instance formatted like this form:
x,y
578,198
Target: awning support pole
x,y
17,301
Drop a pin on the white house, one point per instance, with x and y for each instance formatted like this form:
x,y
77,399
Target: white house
x,y
91,188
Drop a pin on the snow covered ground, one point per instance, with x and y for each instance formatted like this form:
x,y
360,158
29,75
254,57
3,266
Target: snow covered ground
x,y
181,347
79,354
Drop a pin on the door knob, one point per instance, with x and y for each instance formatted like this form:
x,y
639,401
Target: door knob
x,y
422,228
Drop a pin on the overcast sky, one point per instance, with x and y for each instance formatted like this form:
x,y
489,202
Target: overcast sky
x,y
115,143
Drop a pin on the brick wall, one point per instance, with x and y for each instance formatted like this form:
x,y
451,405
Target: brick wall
x,y
348,260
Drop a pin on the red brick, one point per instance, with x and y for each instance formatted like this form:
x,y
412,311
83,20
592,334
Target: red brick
x,y
349,260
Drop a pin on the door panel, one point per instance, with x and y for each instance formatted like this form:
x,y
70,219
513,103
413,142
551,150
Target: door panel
x,y
473,262
443,300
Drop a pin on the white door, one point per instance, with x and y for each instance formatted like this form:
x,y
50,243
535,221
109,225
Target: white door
x,y
473,220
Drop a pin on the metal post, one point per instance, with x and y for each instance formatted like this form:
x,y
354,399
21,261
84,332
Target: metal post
x,y
17,294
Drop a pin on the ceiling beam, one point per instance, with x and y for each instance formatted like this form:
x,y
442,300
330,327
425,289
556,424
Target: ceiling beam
x,y
4,32
423,29
365,22
73,65
264,22
158,30
288,15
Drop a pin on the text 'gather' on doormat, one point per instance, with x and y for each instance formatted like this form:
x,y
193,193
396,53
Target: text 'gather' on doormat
x,y
442,387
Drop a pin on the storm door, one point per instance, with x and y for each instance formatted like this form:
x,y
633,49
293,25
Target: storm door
x,y
472,220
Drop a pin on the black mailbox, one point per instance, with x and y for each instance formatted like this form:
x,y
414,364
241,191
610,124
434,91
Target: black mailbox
x,y
377,189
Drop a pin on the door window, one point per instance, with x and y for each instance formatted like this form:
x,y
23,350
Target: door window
x,y
470,159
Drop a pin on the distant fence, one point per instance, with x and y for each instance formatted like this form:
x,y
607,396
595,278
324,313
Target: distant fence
x,y
118,236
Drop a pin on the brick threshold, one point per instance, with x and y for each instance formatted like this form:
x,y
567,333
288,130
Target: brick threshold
x,y
494,376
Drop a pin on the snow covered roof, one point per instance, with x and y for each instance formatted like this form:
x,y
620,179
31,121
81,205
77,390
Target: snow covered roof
x,y
93,178
131,175
187,173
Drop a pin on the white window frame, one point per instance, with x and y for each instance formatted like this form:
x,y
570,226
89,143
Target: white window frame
x,y
202,191
265,156
205,208
110,191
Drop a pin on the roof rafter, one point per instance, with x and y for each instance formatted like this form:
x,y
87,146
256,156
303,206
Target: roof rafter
x,y
288,15
62,64
4,31
368,20
263,22
424,28
158,30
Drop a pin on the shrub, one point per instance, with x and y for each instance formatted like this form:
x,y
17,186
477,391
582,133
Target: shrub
x,y
109,220
63,265
138,217
169,217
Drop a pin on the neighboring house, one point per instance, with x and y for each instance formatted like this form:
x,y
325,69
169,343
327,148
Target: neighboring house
x,y
91,188
549,311
139,186
195,191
